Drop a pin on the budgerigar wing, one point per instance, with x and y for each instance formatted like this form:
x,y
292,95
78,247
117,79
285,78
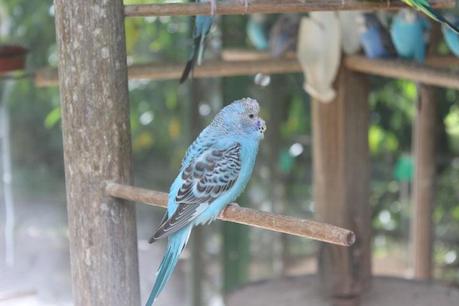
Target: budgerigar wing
x,y
206,178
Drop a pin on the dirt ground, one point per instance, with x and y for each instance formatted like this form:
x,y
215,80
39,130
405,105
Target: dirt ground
x,y
306,290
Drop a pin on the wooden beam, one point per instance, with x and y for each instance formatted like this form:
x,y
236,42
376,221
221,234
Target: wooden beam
x,y
235,213
48,77
449,61
341,185
97,147
235,54
423,184
268,7
400,69
437,72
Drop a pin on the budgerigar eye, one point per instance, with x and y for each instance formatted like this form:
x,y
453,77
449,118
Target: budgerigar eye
x,y
251,116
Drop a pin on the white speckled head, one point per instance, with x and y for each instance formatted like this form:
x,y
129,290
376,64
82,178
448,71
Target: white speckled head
x,y
408,15
241,117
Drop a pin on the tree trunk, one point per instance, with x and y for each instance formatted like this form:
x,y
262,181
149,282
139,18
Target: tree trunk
x,y
97,147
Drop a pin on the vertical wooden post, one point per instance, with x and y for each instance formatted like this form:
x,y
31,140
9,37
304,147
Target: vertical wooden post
x,y
97,147
423,184
341,185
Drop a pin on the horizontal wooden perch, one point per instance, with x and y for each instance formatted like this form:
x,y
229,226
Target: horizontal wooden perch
x,y
234,213
231,7
409,70
437,71
48,77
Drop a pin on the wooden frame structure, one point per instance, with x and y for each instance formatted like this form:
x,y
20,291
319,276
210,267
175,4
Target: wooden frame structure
x,y
93,79
267,7
436,72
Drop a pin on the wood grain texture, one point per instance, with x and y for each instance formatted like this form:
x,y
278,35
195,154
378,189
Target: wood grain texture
x,y
408,70
97,147
235,213
424,182
269,7
438,71
341,185
210,69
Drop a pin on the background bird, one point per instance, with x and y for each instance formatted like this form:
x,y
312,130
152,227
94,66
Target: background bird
x,y
409,34
202,26
319,58
374,37
215,170
426,8
451,37
257,32
284,34
349,21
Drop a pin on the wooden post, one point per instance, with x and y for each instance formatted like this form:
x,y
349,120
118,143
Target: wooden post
x,y
97,147
341,185
423,184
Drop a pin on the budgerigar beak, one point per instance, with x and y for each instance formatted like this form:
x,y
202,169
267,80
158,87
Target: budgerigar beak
x,y
261,127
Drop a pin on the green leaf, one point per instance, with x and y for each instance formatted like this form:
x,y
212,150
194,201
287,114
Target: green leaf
x,y
53,117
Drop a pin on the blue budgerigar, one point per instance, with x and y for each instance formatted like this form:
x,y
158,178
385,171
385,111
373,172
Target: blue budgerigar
x,y
374,37
283,35
202,26
451,37
425,7
215,170
409,34
257,32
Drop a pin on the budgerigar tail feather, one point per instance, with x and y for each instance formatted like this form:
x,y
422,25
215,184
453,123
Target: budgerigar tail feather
x,y
201,49
450,25
437,16
176,244
188,68
191,62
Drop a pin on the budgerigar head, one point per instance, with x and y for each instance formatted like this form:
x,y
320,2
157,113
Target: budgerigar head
x,y
408,16
242,118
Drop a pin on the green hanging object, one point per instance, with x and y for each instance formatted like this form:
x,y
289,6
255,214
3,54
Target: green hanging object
x,y
286,161
404,168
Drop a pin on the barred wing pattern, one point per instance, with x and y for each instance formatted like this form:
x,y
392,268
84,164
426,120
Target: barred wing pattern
x,y
197,148
207,177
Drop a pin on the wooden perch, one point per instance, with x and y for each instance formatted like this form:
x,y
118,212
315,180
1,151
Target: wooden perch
x,y
48,77
240,54
438,71
234,213
268,7
450,61
400,69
